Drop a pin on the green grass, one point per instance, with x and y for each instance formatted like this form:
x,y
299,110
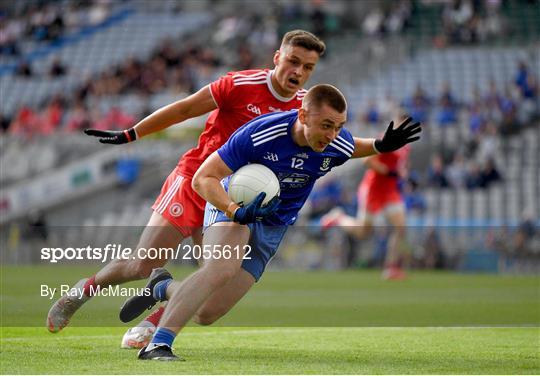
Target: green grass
x,y
281,350
309,322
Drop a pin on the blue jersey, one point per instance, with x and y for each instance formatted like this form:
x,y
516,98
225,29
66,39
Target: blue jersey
x,y
267,140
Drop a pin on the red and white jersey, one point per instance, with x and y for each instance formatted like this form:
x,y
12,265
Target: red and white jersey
x,y
240,97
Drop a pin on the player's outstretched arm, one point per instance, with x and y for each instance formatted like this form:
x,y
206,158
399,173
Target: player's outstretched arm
x,y
195,105
393,139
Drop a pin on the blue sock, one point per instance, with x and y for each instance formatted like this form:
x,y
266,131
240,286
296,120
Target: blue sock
x,y
160,289
163,335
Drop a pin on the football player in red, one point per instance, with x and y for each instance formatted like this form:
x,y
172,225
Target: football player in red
x,y
178,212
378,195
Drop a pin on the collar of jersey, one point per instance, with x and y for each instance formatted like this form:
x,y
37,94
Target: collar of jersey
x,y
275,93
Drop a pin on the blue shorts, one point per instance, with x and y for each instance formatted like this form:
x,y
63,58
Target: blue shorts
x,y
264,240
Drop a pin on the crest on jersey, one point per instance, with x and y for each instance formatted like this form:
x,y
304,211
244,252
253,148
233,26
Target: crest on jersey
x,y
176,209
325,166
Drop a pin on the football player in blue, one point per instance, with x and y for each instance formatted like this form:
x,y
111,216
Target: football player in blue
x,y
299,146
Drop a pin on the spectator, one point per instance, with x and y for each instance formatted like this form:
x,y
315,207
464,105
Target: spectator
x,y
57,69
413,198
436,174
457,172
433,250
51,117
489,144
24,123
446,96
418,105
473,180
525,233
10,32
489,175
78,119
388,106
373,22
508,108
372,116
522,76
399,16
457,18
447,113
319,19
24,69
477,119
5,122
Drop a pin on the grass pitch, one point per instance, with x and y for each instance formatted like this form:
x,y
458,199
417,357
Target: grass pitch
x,y
318,322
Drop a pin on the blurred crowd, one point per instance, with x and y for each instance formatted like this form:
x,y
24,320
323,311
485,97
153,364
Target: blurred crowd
x,y
238,40
47,21
246,40
489,117
181,68
472,21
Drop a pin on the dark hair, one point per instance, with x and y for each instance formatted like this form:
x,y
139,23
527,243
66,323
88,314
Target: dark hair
x,y
325,94
302,38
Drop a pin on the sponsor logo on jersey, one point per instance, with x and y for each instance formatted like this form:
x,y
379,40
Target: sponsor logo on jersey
x,y
252,108
302,155
271,157
273,109
295,180
325,166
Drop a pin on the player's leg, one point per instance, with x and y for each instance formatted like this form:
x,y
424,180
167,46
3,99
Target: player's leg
x,y
186,211
360,226
222,300
159,232
395,216
186,297
140,335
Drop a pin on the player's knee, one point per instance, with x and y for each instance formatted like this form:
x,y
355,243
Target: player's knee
x,y
204,318
220,277
142,268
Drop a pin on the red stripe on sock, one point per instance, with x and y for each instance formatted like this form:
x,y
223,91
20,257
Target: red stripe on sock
x,y
90,283
155,316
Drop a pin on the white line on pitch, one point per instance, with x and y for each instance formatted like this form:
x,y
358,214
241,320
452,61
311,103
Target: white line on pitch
x,y
281,330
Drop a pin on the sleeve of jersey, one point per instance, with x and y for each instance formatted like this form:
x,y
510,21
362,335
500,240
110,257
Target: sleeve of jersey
x,y
238,150
346,141
221,90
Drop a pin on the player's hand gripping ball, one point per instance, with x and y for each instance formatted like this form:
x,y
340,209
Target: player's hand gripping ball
x,y
256,189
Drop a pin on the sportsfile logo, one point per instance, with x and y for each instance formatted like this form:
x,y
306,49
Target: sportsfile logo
x,y
252,108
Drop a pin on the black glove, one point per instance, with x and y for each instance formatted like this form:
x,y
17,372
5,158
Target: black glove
x,y
394,139
113,137
254,212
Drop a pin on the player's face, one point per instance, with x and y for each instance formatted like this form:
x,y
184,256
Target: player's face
x,y
294,66
322,125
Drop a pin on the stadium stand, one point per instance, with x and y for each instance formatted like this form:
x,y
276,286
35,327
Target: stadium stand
x,y
476,107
